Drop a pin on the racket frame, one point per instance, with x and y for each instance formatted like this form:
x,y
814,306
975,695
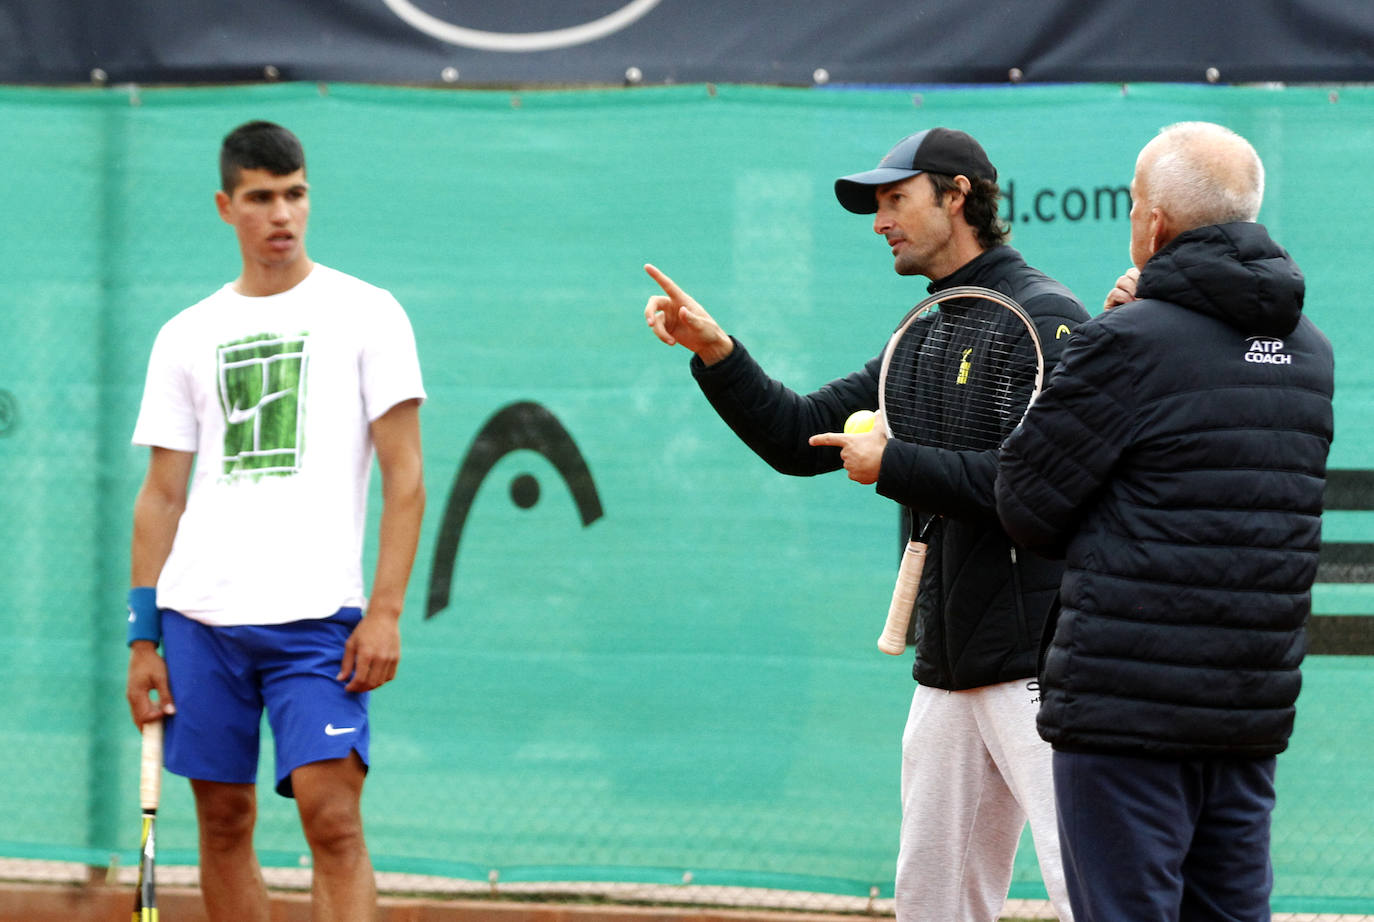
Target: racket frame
x,y
892,640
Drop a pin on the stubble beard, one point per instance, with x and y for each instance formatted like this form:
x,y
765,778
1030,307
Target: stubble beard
x,y
908,263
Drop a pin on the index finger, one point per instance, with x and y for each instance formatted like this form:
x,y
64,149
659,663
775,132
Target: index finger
x,y
669,287
838,439
348,665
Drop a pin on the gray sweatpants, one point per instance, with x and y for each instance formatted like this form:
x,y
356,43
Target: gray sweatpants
x,y
974,770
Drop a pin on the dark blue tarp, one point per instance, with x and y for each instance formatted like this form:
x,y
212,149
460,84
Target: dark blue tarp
x,y
791,42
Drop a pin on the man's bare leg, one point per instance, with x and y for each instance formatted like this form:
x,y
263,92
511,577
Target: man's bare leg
x,y
329,797
230,879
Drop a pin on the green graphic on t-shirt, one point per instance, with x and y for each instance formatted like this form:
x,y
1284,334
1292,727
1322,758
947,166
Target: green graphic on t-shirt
x,y
262,394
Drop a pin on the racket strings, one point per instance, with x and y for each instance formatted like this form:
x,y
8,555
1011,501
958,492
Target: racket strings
x,y
960,377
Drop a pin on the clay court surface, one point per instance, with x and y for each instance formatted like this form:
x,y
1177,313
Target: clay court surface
x,y
39,891
101,903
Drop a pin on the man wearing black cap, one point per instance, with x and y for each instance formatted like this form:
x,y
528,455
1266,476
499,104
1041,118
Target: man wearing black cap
x,y
974,769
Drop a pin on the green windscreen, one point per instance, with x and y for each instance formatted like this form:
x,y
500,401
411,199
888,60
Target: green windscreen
x,y
647,653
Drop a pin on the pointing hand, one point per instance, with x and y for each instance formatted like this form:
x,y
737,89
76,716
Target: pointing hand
x,y
677,319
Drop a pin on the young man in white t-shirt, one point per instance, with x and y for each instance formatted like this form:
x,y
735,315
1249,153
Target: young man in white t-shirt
x,y
277,390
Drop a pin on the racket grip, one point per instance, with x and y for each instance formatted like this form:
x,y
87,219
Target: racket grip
x,y
150,767
893,639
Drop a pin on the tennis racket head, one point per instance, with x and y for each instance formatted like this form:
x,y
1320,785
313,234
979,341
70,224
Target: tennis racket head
x,y
960,370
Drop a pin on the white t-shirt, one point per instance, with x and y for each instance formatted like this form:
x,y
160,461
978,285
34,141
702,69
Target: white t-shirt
x,y
275,395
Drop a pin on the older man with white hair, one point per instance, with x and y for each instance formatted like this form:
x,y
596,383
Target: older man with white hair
x,y
1176,462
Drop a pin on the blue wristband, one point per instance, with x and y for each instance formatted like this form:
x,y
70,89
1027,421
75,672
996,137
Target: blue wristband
x,y
145,621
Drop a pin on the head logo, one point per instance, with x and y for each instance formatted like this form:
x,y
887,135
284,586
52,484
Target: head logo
x,y
520,41
1266,350
519,426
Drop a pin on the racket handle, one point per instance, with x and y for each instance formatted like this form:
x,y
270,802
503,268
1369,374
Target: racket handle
x,y
150,767
893,639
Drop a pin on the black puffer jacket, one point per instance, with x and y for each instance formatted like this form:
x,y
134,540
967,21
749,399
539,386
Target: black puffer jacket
x,y
1177,460
981,610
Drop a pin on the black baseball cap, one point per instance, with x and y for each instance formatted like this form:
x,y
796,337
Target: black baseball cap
x,y
935,150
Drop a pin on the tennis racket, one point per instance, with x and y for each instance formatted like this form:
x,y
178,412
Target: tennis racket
x,y
149,793
959,373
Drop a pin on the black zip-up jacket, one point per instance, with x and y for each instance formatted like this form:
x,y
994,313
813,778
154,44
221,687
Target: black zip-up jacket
x,y
1177,459
982,607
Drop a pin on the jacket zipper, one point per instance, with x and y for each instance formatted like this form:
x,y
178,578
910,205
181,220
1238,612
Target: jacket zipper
x,y
1020,603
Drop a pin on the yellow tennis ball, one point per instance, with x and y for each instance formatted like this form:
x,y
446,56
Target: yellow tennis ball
x,y
859,421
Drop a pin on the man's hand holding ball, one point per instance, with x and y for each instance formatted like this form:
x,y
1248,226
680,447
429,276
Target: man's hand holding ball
x,y
861,445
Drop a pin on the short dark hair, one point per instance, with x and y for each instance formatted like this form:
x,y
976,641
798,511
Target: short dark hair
x,y
258,145
980,207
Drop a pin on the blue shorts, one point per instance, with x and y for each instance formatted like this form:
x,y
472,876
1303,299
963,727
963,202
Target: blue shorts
x,y
223,678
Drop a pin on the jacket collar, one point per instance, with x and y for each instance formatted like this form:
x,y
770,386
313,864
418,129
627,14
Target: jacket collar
x,y
982,270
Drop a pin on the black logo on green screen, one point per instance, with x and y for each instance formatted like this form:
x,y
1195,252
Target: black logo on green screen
x,y
262,394
520,426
